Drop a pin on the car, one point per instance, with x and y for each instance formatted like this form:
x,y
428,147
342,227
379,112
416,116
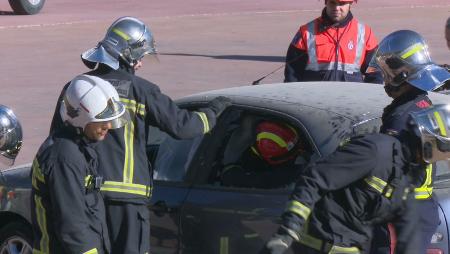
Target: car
x,y
192,211
26,7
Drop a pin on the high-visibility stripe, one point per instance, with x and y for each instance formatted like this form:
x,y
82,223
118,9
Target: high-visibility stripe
x,y
87,180
36,175
412,50
132,188
299,209
42,223
425,191
311,44
314,65
441,124
204,119
38,252
224,245
321,245
93,251
134,106
360,43
121,34
376,183
275,138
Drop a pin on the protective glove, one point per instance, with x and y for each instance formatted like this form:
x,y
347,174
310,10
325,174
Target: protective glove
x,y
219,104
278,244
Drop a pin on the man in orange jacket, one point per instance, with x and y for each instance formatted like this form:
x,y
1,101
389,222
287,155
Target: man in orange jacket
x,y
333,47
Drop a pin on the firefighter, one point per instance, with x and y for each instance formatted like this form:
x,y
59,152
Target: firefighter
x,y
409,74
272,150
122,156
10,136
338,199
333,47
67,211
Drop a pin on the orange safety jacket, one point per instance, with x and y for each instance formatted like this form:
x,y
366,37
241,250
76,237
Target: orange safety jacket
x,y
332,52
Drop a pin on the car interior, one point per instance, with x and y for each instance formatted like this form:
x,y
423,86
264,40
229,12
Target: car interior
x,y
203,160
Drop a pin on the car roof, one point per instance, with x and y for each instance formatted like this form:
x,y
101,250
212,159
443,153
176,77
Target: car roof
x,y
341,104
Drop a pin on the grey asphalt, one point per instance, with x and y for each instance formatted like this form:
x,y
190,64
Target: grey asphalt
x,y
203,44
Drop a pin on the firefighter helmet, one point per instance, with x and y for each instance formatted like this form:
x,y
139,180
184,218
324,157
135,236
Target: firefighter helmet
x,y
128,39
276,143
403,57
92,99
10,136
432,126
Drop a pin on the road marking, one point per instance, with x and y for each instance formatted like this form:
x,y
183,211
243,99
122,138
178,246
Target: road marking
x,y
212,15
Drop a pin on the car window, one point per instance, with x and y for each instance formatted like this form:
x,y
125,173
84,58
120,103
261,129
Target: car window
x,y
170,157
229,159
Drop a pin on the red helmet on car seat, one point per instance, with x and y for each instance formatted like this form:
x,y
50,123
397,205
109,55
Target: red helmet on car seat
x,y
275,142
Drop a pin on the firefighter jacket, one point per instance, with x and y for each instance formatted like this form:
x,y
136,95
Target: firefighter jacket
x,y
338,200
122,155
68,213
326,51
395,123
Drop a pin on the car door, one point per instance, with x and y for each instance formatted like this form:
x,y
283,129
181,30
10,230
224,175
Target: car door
x,y
169,158
218,219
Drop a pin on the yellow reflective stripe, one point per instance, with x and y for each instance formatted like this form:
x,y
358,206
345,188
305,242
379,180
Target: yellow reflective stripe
x,y
204,119
412,50
319,245
38,252
134,106
223,245
376,183
131,188
42,223
121,34
93,251
441,124
425,190
299,209
273,137
37,174
87,180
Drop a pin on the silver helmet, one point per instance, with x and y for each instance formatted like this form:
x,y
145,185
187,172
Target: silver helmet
x,y
10,136
432,126
127,38
403,57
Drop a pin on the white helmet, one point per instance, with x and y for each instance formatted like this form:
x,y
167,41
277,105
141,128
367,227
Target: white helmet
x,y
91,99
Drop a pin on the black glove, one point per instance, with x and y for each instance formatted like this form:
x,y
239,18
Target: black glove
x,y
219,104
278,244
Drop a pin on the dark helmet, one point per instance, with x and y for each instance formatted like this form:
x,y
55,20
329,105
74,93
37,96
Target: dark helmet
x,y
10,136
403,57
128,39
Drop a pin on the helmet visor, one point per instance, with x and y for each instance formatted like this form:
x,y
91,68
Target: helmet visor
x,y
144,46
433,127
115,113
430,77
10,136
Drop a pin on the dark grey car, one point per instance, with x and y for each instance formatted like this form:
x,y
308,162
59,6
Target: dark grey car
x,y
192,211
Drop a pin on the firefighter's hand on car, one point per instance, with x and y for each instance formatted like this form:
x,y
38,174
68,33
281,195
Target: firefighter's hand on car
x,y
219,104
278,244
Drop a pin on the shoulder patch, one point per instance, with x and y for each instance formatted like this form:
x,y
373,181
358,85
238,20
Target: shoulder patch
x,y
423,104
122,86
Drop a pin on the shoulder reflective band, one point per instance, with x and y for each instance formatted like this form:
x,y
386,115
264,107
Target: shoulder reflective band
x,y
299,209
314,65
425,191
93,251
130,188
379,185
204,119
42,223
36,175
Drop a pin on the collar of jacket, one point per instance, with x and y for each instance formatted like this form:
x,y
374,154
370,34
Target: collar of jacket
x,y
326,22
409,96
